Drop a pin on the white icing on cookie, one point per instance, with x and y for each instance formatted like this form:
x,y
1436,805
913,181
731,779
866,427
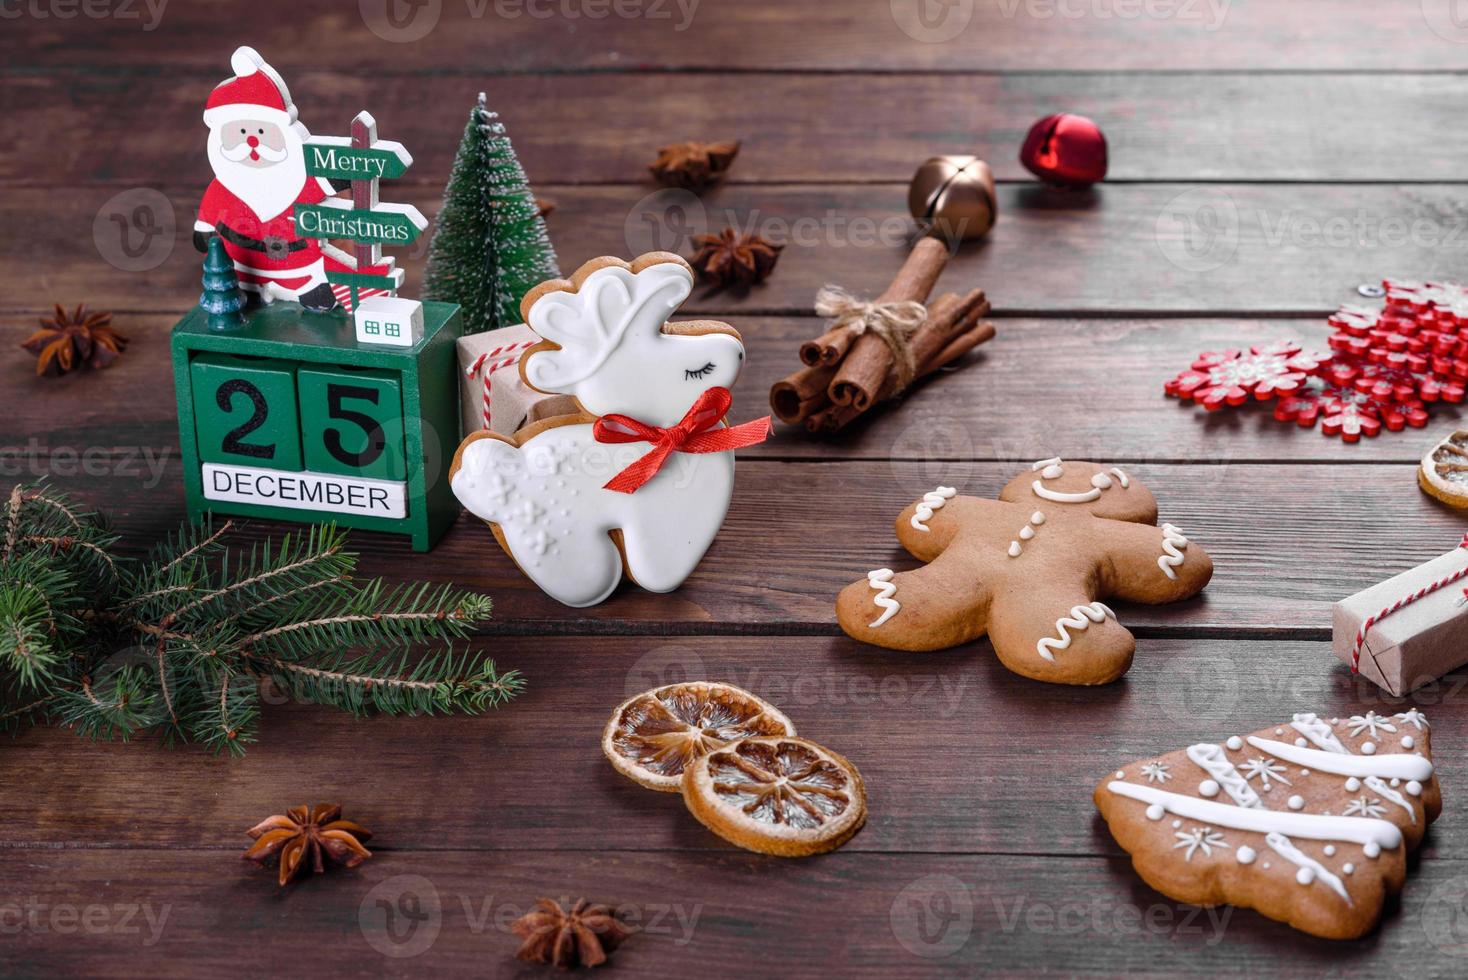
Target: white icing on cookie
x,y
1015,550
1210,759
1026,533
1245,854
1318,732
1120,477
1037,518
1390,795
1172,556
881,580
1367,831
1399,766
1234,742
1408,741
1310,869
932,500
1080,618
1065,498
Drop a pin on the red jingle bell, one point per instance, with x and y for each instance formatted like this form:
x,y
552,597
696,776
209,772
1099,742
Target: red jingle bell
x,y
1065,150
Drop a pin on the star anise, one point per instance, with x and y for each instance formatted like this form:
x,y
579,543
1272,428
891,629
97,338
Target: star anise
x,y
733,258
693,166
313,831
582,936
69,340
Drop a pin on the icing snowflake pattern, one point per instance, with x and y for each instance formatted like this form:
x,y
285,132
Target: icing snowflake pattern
x,y
1156,772
1364,806
1369,722
1412,717
1203,839
1265,769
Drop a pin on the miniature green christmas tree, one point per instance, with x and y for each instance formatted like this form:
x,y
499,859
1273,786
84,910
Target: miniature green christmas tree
x,y
180,642
490,246
222,298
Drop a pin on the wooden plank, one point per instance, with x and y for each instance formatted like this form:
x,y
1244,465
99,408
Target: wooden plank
x,y
1001,406
959,755
859,35
1141,248
201,914
1288,541
1194,127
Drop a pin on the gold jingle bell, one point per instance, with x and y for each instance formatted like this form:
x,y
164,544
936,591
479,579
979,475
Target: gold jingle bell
x,y
954,196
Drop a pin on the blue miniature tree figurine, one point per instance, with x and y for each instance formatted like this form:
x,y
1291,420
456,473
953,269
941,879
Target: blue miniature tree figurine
x,y
222,298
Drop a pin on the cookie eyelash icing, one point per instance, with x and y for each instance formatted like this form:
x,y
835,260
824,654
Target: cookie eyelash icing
x,y
700,373
932,500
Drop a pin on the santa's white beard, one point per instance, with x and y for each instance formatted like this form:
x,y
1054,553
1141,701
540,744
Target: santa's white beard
x,y
266,190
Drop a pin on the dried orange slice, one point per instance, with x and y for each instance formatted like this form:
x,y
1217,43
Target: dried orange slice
x,y
1444,470
777,795
653,737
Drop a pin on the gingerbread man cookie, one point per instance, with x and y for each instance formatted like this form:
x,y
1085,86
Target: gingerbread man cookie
x,y
1030,570
1309,822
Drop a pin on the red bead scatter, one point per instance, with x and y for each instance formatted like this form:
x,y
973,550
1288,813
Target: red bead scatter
x,y
1385,366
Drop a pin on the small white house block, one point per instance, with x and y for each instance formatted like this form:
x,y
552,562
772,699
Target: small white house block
x,y
389,320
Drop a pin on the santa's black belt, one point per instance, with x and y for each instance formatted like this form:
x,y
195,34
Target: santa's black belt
x,y
273,246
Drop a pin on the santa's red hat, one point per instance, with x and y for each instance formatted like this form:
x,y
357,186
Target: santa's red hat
x,y
255,92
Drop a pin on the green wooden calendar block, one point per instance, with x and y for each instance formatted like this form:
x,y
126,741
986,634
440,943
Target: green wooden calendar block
x,y
245,411
320,349
352,422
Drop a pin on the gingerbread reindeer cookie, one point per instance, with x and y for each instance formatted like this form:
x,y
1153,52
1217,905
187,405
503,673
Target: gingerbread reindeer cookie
x,y
641,475
1030,569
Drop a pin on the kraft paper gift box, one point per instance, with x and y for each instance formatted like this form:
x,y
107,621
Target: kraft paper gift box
x,y
492,395
1417,643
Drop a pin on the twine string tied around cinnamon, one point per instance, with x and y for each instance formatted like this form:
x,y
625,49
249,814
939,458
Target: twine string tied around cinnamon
x,y
894,323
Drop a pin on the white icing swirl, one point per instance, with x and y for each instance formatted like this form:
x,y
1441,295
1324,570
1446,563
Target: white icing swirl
x,y
881,580
932,500
1172,556
1080,618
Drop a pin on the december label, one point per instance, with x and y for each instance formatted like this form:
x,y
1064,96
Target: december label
x,y
305,490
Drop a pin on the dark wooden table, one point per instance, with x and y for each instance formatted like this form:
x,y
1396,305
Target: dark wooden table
x,y
1266,159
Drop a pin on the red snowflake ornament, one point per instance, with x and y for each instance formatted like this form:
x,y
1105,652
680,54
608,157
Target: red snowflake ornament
x,y
1346,411
1229,377
1443,304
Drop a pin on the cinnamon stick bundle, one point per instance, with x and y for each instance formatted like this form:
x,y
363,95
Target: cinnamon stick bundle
x,y
848,369
867,364
938,343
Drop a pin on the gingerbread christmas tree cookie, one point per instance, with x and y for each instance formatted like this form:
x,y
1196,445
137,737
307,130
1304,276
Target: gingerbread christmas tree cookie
x,y
1309,822
1030,569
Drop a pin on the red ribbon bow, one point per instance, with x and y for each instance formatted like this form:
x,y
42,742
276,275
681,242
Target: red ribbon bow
x,y
698,432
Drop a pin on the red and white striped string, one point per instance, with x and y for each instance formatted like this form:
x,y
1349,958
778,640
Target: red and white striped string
x,y
1426,590
490,361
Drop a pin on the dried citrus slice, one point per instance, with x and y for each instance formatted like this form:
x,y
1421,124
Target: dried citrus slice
x,y
653,737
777,795
1444,470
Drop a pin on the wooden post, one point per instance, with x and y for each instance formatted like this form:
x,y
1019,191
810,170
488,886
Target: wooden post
x,y
364,195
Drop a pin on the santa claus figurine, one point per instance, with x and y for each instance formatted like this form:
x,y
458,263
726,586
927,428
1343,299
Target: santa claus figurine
x,y
257,152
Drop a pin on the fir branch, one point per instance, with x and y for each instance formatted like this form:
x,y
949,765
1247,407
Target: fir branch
x,y
196,548
56,505
12,522
172,644
66,542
